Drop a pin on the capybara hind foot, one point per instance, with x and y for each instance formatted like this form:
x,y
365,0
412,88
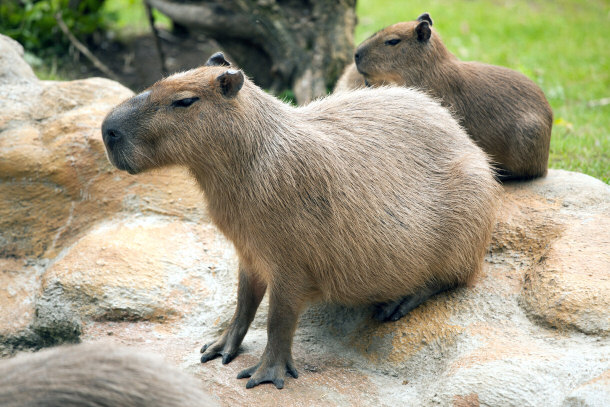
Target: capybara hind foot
x,y
267,370
394,310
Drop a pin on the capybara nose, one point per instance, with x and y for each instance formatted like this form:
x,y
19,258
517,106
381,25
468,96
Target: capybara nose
x,y
357,57
111,136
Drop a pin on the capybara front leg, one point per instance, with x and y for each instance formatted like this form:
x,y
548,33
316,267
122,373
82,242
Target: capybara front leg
x,y
277,357
250,292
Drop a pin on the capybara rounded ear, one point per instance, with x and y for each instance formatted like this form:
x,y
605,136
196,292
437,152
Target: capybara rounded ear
x,y
218,59
423,31
425,17
230,82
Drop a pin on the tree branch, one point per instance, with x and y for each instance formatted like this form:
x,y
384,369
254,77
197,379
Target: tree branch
x,y
83,49
209,17
151,21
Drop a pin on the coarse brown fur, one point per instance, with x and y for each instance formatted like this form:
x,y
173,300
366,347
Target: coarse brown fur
x,y
504,112
96,375
361,197
350,79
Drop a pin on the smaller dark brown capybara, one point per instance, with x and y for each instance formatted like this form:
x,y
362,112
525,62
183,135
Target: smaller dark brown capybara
x,y
363,197
94,375
503,111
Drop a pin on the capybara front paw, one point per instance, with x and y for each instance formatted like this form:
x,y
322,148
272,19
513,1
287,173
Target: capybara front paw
x,y
264,372
216,348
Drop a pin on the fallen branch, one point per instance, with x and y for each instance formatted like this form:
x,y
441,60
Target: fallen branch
x,y
83,49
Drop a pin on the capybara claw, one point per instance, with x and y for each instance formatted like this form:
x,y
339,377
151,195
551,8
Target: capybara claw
x,y
227,357
205,358
247,372
270,376
262,373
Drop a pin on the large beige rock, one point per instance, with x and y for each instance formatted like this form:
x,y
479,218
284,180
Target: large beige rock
x,y
569,287
137,269
87,253
595,392
478,345
55,184
13,69
19,283
55,178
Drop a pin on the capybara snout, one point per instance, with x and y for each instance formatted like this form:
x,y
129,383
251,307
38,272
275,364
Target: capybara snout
x,y
152,129
118,132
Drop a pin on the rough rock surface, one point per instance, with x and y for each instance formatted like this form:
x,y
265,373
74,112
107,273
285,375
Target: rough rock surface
x,y
92,254
13,69
56,180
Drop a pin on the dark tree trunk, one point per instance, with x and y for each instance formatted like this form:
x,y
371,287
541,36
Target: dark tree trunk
x,y
301,45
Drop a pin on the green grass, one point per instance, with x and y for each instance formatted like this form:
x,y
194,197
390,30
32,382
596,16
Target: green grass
x,y
561,44
131,17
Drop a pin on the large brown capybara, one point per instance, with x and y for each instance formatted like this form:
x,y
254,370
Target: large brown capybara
x,y
368,196
503,111
95,375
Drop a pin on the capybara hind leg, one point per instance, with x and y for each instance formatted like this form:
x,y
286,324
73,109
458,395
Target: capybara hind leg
x,y
276,360
393,311
250,292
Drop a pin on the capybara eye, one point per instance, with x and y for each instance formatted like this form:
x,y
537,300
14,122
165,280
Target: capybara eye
x,y
184,102
392,42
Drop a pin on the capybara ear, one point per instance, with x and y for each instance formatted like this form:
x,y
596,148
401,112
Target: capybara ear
x,y
218,59
230,82
425,17
423,31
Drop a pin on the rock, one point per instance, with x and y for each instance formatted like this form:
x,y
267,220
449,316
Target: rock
x,y
478,345
594,393
55,184
56,179
87,252
143,268
13,69
570,286
18,287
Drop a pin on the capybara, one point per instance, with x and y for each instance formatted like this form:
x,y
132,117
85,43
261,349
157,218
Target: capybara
x,y
96,375
503,111
368,196
350,79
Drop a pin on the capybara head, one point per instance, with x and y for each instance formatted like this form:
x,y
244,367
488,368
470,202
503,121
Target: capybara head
x,y
156,127
389,50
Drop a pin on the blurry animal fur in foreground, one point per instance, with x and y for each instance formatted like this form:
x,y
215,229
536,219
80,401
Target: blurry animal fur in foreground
x,y
96,375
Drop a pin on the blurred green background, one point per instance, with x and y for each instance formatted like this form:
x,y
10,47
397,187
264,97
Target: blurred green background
x,y
560,44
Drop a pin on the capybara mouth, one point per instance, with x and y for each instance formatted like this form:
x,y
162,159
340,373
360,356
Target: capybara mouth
x,y
122,165
360,71
128,168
